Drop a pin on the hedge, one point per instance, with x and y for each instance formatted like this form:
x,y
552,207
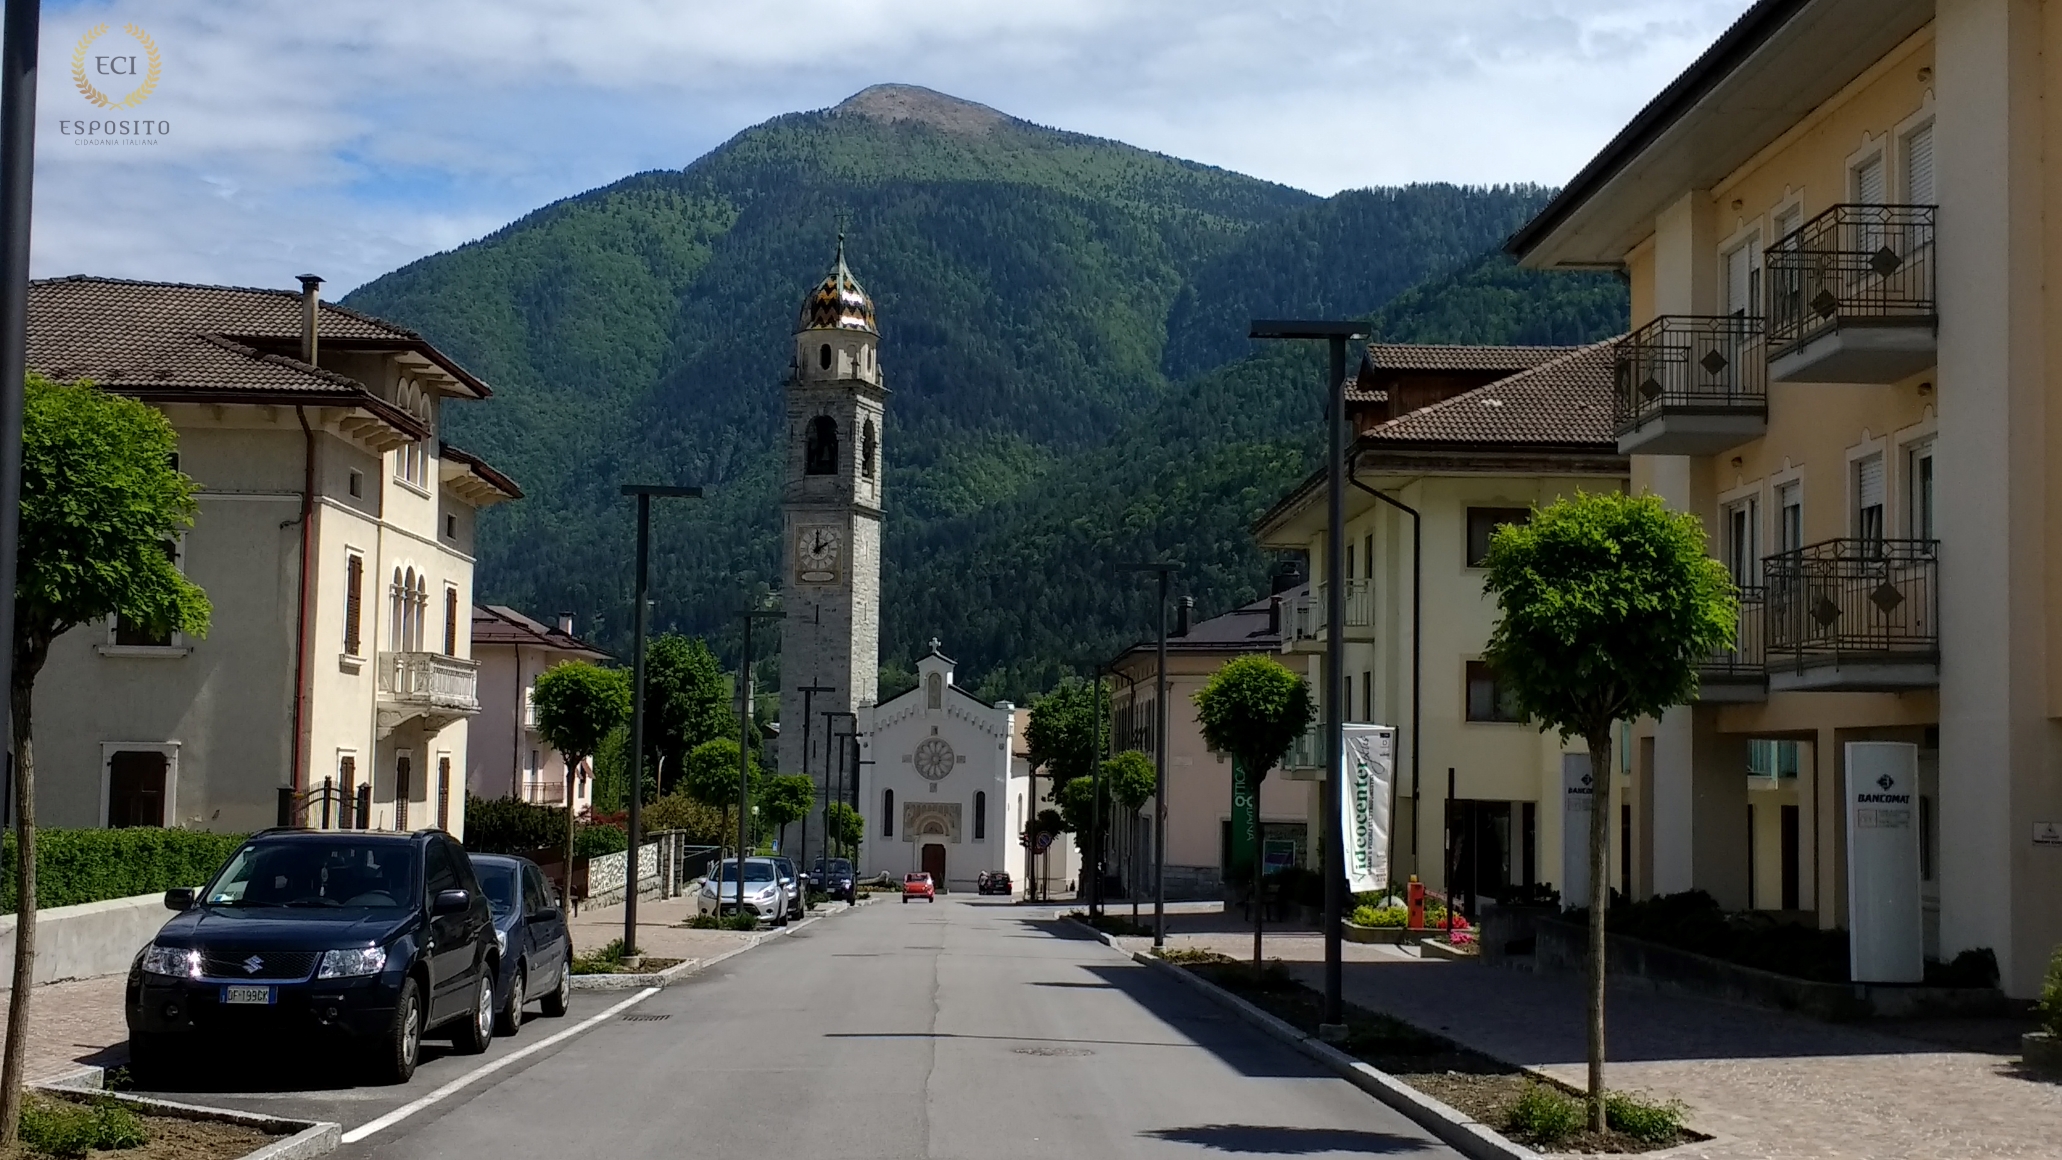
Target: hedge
x,y
75,866
509,826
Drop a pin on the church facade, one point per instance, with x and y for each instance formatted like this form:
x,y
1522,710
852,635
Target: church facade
x,y
831,529
941,793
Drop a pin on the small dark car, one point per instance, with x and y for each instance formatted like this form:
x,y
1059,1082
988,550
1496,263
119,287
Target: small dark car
x,y
791,877
530,933
372,940
834,877
995,882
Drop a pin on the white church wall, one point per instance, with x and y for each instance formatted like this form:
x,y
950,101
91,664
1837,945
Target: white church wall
x,y
939,785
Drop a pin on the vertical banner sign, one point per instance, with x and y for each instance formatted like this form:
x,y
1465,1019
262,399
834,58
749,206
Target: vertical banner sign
x,y
1578,799
1370,756
1245,826
1886,933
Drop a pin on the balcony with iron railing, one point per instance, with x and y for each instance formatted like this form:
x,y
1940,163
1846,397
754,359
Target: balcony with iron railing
x,y
1740,673
1306,759
1306,615
438,688
1852,298
1853,615
1690,385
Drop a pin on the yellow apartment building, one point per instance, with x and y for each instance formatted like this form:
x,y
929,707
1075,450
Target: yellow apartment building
x,y
1833,229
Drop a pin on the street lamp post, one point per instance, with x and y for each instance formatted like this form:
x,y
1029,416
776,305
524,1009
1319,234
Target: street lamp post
x,y
644,493
1336,335
744,743
1095,804
808,694
1159,753
831,742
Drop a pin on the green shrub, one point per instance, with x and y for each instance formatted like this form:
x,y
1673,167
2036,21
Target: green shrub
x,y
508,826
1692,921
702,824
1647,1122
2051,994
740,922
1187,956
1545,1115
704,922
594,841
75,866
606,961
64,1128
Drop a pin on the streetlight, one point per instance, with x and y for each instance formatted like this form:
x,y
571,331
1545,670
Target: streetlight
x,y
751,616
644,493
830,743
1336,335
1159,753
808,694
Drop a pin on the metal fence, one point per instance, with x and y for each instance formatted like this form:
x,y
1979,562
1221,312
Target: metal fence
x,y
1747,659
1852,599
1850,262
1694,363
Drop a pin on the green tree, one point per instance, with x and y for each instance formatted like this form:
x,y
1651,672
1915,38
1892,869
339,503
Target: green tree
x,y
101,505
1131,780
1067,730
1254,708
785,799
686,702
579,704
1607,606
709,776
846,826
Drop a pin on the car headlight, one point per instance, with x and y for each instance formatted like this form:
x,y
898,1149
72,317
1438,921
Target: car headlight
x,y
350,964
176,962
763,892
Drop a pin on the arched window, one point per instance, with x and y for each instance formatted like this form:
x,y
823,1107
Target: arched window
x,y
934,691
869,442
980,816
394,606
820,453
887,813
823,356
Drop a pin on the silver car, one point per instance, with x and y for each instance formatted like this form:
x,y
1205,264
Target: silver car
x,y
766,893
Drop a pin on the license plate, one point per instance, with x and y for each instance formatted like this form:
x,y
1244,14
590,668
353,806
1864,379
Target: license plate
x,y
247,996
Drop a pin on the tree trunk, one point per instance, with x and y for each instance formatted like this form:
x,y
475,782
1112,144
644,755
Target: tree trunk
x,y
1599,901
25,909
1259,890
572,765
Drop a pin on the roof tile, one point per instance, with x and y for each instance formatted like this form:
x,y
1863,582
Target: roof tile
x,y
1563,401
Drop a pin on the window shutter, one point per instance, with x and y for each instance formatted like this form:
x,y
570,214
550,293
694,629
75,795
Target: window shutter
x,y
450,622
1869,482
1919,167
1738,292
1868,182
354,594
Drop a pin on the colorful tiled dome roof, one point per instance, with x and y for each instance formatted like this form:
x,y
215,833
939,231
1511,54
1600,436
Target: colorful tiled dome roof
x,y
838,302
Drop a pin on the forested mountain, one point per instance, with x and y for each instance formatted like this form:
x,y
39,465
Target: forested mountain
x,y
1062,327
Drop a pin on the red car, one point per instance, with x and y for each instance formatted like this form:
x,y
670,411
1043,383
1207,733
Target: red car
x,y
918,885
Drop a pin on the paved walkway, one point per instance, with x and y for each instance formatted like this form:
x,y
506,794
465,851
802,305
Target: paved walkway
x,y
661,930
1765,1085
71,1023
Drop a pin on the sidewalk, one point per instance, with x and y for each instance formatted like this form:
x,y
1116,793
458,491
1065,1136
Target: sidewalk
x,y
1765,1085
71,1023
660,930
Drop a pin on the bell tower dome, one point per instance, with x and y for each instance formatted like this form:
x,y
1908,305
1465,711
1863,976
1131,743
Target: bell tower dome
x,y
835,336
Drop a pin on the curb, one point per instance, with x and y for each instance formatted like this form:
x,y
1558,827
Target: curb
x,y
303,1138
682,970
1464,1134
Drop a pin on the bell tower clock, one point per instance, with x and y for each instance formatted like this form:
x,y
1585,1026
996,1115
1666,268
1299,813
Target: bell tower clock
x,y
831,523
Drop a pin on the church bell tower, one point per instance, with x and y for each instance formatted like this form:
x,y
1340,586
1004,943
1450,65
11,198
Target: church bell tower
x,y
831,525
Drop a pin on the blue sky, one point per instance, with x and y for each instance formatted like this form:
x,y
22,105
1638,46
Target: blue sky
x,y
348,139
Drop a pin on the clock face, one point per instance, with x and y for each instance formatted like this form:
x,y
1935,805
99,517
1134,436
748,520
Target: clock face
x,y
934,758
818,550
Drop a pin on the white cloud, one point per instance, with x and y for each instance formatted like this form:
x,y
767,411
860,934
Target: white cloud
x,y
349,139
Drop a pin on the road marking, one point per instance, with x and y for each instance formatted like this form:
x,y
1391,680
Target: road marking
x,y
406,1110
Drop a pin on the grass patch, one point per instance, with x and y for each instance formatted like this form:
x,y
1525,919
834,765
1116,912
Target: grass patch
x,y
704,922
609,961
63,1128
1545,1115
740,922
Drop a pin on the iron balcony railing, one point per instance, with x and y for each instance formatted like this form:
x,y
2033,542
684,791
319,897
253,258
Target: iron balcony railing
x,y
1853,600
1747,659
1690,364
1307,615
430,680
1869,263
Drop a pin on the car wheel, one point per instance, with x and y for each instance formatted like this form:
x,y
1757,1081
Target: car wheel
x,y
554,1004
399,1049
477,1030
511,1018
905,899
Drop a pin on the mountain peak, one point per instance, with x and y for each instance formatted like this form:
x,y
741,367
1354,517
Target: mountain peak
x,y
916,103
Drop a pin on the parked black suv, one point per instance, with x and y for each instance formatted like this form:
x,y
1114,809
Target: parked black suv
x,y
376,939
834,878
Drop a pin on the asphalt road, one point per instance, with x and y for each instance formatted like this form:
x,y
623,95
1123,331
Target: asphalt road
x,y
959,1029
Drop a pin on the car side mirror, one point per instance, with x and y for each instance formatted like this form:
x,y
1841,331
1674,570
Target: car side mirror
x,y
179,898
451,902
545,914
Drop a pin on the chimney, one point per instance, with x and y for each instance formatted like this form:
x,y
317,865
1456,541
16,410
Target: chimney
x,y
311,309
1183,613
1274,615
565,623
1287,576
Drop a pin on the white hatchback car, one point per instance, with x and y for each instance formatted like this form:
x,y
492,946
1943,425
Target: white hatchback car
x,y
766,894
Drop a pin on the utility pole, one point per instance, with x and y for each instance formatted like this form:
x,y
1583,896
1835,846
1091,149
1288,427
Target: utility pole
x,y
830,742
744,745
808,693
1332,1026
644,493
1095,802
1159,753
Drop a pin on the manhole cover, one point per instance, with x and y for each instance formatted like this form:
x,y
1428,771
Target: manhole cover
x,y
1052,1051
645,1018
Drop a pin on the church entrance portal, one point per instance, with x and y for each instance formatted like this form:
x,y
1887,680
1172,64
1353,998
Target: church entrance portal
x,y
934,863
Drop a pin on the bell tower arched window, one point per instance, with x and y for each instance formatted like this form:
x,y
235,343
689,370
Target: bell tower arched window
x,y
887,813
820,453
823,356
980,816
869,443
934,692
